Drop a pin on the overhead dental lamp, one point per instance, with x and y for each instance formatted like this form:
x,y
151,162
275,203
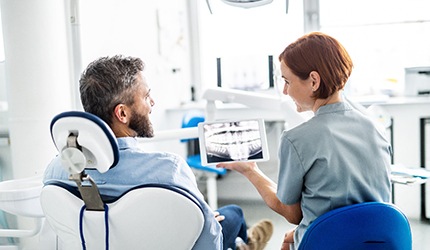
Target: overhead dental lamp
x,y
247,3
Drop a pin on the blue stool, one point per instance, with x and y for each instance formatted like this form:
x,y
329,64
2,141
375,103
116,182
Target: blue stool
x,y
191,119
364,226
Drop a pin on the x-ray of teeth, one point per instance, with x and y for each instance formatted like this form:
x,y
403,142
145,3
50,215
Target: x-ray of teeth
x,y
233,140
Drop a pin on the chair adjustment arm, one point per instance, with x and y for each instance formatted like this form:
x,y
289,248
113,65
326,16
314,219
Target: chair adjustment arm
x,y
90,193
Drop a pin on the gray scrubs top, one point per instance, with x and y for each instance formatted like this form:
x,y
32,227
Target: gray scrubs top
x,y
337,158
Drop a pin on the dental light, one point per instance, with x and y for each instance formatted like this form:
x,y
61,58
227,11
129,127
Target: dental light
x,y
247,3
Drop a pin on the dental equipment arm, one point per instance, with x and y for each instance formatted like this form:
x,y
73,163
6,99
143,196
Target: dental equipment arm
x,y
283,107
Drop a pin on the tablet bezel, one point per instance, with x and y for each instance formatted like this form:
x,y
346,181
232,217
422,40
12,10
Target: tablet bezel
x,y
202,140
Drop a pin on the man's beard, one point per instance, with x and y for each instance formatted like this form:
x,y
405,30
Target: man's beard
x,y
141,124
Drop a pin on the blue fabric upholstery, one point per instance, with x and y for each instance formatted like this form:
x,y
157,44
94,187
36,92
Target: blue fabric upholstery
x,y
369,225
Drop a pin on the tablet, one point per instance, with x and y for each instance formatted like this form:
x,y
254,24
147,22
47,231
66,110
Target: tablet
x,y
232,140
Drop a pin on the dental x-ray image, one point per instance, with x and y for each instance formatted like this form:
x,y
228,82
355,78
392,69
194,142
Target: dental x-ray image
x,y
239,140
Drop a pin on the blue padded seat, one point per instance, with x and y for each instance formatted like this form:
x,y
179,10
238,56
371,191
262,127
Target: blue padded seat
x,y
369,225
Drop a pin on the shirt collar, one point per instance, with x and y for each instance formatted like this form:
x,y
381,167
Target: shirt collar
x,y
127,142
333,107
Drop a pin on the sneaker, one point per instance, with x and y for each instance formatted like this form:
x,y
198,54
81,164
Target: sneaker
x,y
259,234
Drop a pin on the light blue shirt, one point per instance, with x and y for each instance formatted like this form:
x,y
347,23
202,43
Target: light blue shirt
x,y
136,167
337,158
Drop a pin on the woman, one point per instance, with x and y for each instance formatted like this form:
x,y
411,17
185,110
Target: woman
x,y
337,158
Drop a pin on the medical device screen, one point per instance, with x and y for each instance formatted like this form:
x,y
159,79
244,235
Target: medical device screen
x,y
233,140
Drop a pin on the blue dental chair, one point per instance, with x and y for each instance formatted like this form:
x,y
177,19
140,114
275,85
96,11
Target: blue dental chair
x,y
146,217
210,173
363,226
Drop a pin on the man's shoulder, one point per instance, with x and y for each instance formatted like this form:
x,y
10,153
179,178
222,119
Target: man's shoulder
x,y
162,156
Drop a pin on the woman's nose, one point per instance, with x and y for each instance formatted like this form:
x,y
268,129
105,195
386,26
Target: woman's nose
x,y
285,89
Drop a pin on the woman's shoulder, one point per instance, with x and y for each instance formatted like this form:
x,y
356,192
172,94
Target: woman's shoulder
x,y
301,131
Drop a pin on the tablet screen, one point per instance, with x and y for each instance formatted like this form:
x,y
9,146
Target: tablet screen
x,y
233,140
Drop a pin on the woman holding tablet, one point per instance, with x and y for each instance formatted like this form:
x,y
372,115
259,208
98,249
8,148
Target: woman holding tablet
x,y
337,158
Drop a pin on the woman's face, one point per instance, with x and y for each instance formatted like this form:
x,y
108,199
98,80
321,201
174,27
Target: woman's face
x,y
299,90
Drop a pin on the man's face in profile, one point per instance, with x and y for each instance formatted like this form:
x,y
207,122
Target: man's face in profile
x,y
141,109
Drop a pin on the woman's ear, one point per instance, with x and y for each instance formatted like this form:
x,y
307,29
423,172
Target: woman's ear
x,y
121,113
316,79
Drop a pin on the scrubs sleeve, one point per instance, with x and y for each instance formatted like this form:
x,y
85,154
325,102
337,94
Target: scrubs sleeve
x,y
291,173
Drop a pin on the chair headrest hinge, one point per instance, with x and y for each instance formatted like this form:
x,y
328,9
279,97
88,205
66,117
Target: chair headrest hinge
x,y
90,193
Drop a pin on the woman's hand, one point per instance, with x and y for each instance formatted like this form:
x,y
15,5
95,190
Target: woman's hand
x,y
241,167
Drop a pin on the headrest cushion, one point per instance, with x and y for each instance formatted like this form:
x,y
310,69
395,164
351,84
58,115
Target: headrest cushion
x,y
98,145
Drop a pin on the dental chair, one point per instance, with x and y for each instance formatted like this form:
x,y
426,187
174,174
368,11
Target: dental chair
x,y
149,216
369,225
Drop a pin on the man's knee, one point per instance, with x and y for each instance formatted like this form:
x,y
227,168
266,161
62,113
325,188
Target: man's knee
x,y
232,208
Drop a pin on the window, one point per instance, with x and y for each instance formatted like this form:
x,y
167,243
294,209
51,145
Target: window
x,y
233,32
383,38
1,42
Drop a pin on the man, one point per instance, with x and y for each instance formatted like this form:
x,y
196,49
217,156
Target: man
x,y
114,89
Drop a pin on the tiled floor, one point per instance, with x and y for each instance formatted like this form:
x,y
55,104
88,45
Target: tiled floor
x,y
256,210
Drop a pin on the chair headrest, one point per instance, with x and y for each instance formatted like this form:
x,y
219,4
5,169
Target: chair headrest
x,y
97,147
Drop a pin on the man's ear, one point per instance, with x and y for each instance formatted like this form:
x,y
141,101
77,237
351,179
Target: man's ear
x,y
121,113
316,80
